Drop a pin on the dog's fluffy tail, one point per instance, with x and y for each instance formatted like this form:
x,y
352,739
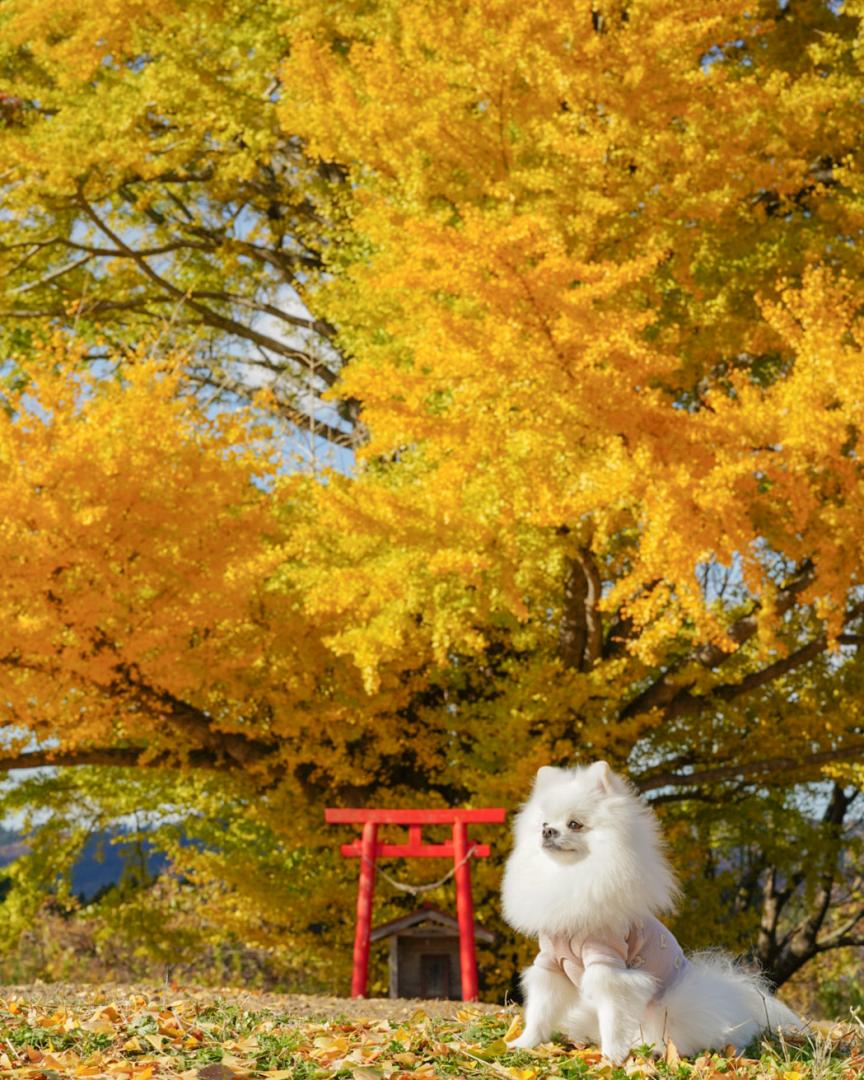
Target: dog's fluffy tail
x,y
717,1003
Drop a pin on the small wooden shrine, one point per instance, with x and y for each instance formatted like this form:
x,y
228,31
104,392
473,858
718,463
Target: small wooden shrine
x,y
424,954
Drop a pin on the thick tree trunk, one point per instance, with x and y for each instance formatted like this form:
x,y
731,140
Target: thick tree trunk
x,y
580,635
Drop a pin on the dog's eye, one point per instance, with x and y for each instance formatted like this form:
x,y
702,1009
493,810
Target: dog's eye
x,y
574,825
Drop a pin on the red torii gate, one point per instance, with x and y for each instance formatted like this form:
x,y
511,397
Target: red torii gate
x,y
458,849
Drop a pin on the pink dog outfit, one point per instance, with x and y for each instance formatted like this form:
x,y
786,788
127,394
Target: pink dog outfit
x,y
645,946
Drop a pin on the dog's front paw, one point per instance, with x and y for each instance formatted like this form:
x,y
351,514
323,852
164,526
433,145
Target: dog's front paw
x,y
616,1053
526,1041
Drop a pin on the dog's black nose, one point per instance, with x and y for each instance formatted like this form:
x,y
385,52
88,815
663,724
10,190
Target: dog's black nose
x,y
549,832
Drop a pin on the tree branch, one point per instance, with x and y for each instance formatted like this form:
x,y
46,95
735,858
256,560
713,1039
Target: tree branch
x,y
117,757
833,817
686,704
842,932
841,943
210,317
664,690
53,275
749,769
211,748
302,420
800,943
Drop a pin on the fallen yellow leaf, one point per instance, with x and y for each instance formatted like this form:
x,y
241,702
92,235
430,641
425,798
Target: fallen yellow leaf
x,y
100,1025
515,1029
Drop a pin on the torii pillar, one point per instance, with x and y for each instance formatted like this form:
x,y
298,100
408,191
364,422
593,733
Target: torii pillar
x,y
460,849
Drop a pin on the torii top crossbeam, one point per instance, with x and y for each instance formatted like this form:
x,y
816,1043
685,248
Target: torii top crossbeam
x,y
368,849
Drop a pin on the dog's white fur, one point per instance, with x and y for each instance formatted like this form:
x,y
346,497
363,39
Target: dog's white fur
x,y
609,874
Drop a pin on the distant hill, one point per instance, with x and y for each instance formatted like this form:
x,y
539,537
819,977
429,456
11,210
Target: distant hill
x,y
102,862
11,847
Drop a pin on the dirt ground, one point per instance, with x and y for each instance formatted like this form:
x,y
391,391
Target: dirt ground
x,y
289,1005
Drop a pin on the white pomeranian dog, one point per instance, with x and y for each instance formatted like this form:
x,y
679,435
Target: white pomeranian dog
x,y
588,876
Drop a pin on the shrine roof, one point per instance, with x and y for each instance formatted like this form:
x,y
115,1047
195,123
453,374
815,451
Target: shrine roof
x,y
427,915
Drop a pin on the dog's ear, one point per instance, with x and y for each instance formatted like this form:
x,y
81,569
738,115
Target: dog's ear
x,y
546,774
603,776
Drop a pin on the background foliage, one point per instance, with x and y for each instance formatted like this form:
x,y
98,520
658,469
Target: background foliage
x,y
399,397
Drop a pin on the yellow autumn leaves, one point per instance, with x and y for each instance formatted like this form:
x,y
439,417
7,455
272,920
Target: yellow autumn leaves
x,y
601,291
585,280
130,527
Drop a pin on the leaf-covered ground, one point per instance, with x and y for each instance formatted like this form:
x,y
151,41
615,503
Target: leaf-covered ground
x,y
49,1033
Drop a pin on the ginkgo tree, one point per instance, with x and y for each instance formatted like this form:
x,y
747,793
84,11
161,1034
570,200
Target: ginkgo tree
x,y
581,286
606,331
